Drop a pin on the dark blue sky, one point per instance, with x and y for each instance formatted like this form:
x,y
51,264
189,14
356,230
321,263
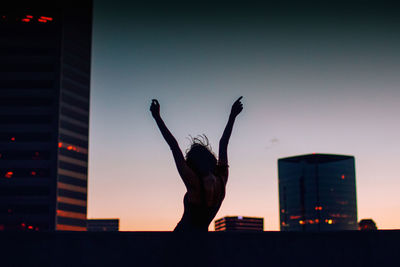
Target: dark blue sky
x,y
314,79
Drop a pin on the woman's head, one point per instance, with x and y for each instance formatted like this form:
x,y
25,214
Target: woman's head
x,y
199,156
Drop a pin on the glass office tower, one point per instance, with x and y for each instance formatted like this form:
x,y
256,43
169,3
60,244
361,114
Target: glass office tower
x,y
44,115
317,192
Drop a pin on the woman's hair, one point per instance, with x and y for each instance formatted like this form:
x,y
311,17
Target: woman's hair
x,y
199,156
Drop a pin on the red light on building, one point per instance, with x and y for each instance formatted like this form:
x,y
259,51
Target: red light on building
x,y
23,225
33,173
8,174
29,16
46,18
25,20
13,139
60,144
42,20
343,177
1,227
318,208
301,222
70,147
294,217
30,227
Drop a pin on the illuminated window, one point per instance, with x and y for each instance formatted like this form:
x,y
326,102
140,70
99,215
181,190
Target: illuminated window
x,y
329,221
46,18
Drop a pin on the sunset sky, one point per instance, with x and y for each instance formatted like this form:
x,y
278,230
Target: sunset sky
x,y
314,79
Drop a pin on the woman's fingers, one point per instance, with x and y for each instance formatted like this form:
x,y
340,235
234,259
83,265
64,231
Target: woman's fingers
x,y
154,102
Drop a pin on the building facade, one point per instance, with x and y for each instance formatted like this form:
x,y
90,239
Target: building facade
x,y
103,225
367,224
44,116
239,223
317,192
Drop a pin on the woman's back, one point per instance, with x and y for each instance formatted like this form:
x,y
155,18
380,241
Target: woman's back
x,y
201,207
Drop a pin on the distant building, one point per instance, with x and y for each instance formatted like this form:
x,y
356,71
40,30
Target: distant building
x,y
317,192
102,225
44,115
367,224
239,223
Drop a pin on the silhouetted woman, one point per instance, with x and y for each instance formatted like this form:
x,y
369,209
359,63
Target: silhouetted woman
x,y
204,177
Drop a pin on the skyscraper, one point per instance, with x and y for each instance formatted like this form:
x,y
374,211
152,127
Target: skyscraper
x,y
44,115
317,192
239,223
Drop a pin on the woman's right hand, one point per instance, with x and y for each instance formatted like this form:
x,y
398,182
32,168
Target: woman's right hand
x,y
237,107
155,108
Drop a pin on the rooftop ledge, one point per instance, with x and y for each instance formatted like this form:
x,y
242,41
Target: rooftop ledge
x,y
347,248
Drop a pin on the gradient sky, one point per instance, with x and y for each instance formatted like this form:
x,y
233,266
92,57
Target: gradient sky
x,y
314,79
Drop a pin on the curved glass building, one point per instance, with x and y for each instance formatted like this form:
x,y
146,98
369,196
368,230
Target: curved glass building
x,y
317,192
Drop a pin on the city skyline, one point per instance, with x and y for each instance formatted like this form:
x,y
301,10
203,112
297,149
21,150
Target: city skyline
x,y
314,79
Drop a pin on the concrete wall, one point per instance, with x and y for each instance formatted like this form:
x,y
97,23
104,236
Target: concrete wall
x,y
354,248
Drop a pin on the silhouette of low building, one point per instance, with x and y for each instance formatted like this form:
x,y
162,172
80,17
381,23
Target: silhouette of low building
x,y
239,223
102,225
367,224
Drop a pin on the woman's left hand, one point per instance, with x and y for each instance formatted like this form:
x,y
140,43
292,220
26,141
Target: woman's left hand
x,y
155,108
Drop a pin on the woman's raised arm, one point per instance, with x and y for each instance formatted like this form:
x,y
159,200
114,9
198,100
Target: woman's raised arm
x,y
185,172
237,107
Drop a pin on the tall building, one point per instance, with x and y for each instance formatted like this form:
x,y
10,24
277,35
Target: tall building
x,y
103,225
317,192
239,223
44,115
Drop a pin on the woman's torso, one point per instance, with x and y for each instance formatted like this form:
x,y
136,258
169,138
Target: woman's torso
x,y
202,204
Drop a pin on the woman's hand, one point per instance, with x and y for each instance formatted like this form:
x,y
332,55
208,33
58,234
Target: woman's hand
x,y
155,108
237,107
